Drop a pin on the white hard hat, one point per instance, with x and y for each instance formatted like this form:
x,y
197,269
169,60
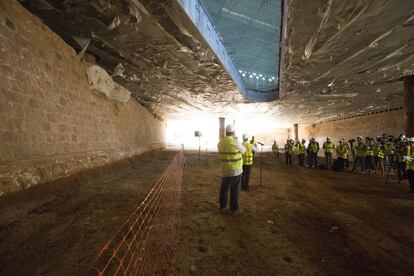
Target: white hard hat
x,y
245,136
230,128
410,140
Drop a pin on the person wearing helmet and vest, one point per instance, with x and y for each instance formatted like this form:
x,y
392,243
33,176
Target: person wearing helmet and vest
x,y
348,152
275,150
410,163
390,153
296,150
254,143
369,157
302,149
379,154
313,149
341,154
289,152
231,162
247,162
329,147
360,155
401,150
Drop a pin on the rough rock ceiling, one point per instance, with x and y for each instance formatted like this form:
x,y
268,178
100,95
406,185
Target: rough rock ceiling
x,y
148,48
345,57
340,57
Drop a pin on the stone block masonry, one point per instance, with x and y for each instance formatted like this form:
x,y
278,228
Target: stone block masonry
x,y
52,124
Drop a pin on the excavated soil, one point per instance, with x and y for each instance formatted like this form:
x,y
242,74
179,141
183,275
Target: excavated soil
x,y
301,222
58,228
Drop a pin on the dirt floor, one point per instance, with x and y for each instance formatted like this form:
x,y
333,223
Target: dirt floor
x,y
58,228
302,222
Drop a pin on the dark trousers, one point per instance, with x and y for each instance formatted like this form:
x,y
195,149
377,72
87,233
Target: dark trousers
x,y
301,159
313,159
361,161
341,163
246,176
410,175
369,162
276,155
232,183
346,161
288,159
328,160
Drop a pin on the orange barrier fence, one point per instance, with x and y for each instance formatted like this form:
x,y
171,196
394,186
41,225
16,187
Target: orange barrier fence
x,y
147,241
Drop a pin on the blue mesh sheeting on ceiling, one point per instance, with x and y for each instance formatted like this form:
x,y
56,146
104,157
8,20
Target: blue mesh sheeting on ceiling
x,y
250,32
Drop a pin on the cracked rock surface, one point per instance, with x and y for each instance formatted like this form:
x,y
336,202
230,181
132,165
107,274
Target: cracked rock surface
x,y
340,58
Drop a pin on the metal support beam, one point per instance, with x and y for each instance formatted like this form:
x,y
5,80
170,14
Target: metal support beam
x,y
296,131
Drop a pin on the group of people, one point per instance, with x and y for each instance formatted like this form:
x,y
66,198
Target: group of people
x,y
369,154
300,150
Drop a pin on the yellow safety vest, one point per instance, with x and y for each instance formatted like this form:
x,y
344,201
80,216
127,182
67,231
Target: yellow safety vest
x,y
329,146
314,147
275,148
302,148
296,149
369,150
230,155
361,150
289,148
376,149
389,149
248,154
410,164
380,154
342,151
348,150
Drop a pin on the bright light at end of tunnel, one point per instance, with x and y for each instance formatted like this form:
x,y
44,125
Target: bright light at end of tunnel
x,y
183,131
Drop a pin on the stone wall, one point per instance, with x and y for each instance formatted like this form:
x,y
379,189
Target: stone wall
x,y
51,123
267,137
392,122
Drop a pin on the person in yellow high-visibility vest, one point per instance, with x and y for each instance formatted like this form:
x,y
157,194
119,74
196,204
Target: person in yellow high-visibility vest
x,y
289,152
329,147
341,154
313,149
247,161
379,154
361,149
410,163
369,157
254,143
231,162
302,150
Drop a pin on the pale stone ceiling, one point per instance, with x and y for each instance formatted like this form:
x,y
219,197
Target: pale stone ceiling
x,y
340,58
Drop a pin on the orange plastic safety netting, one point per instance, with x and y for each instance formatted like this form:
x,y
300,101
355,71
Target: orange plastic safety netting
x,y
147,241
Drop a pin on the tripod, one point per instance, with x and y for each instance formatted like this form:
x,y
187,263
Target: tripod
x,y
261,165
